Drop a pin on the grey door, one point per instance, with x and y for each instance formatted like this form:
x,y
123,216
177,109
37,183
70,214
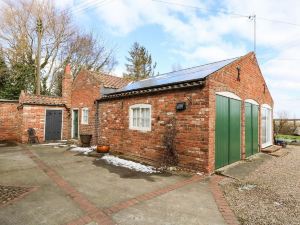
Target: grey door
x,y
53,125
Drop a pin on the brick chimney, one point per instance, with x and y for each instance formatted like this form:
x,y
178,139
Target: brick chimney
x,y
67,86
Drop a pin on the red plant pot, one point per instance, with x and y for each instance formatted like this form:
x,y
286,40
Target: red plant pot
x,y
103,148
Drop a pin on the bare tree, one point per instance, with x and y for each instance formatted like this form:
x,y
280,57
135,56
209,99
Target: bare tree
x,y
61,42
282,121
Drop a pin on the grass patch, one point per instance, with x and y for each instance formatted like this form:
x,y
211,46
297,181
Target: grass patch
x,y
288,137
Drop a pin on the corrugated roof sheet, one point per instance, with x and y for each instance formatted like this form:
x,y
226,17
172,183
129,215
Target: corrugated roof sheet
x,y
194,73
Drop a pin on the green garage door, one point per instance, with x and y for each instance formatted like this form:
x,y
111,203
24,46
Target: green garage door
x,y
251,128
228,131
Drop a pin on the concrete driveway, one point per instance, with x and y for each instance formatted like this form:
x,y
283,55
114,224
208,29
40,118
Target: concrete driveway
x,y
67,188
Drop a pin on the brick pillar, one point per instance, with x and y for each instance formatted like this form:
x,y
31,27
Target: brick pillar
x,y
67,86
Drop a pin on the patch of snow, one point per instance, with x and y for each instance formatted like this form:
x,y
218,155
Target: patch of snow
x,y
51,144
84,150
73,146
128,164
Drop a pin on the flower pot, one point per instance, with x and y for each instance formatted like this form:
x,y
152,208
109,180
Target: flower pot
x,y
103,148
85,139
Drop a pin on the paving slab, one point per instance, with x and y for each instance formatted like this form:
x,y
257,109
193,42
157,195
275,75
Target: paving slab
x,y
47,204
104,184
59,174
192,204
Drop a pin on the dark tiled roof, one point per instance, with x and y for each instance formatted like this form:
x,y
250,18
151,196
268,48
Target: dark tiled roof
x,y
110,81
41,100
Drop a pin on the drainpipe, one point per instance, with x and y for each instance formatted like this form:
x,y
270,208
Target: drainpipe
x,y
97,123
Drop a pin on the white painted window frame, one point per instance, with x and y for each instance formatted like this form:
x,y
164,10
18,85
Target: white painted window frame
x,y
131,126
269,143
82,116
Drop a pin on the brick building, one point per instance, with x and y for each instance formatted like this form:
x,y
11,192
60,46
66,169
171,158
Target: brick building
x,y
221,112
86,88
53,117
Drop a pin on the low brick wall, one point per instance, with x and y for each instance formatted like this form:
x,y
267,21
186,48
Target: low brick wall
x,y
9,120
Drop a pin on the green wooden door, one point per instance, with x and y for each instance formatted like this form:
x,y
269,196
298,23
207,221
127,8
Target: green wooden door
x,y
75,124
251,129
221,131
227,131
248,129
234,130
255,128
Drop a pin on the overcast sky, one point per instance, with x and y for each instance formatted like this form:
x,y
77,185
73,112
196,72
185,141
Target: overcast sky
x,y
175,34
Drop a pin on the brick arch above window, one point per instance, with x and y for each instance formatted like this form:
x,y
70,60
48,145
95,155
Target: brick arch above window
x,y
252,101
228,94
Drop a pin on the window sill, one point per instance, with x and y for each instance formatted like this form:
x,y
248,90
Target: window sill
x,y
144,130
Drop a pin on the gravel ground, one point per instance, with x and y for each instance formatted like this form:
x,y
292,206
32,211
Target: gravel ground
x,y
9,193
269,195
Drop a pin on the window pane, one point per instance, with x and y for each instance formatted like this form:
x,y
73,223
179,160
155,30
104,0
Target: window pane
x,y
147,118
138,117
142,117
264,126
85,116
134,116
268,125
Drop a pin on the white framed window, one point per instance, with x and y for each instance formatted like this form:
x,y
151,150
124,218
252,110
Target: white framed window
x,y
266,125
140,117
85,116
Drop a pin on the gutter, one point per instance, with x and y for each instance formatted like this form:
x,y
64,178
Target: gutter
x,y
153,89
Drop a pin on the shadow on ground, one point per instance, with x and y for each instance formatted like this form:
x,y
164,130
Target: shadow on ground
x,y
128,173
7,144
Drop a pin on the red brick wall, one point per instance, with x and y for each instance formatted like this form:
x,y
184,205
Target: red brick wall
x,y
9,121
192,126
250,86
85,90
33,116
195,140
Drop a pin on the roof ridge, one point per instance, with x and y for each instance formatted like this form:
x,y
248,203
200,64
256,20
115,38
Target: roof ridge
x,y
34,95
194,67
104,74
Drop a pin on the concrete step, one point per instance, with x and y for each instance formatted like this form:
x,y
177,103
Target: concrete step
x,y
279,153
271,149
